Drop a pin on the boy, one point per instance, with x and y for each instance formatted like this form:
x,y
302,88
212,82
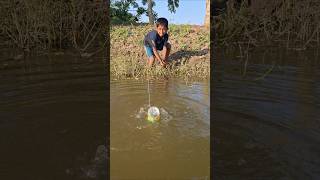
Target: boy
x,y
157,40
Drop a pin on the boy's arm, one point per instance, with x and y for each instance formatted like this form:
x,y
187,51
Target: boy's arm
x,y
156,53
165,45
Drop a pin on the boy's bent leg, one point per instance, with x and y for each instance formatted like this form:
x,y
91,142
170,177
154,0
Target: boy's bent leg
x,y
150,61
150,55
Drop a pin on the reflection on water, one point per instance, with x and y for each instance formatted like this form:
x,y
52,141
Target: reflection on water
x,y
267,128
176,147
52,118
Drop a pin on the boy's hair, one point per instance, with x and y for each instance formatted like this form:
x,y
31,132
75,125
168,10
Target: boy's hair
x,y
162,22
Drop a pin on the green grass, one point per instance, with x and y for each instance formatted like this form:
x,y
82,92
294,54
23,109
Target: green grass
x,y
128,59
131,67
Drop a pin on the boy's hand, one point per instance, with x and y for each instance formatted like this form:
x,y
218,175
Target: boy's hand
x,y
163,63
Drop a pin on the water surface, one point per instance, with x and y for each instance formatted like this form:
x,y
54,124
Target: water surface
x,y
53,115
266,118
177,147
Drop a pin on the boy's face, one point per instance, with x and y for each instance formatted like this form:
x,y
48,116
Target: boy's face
x,y
162,30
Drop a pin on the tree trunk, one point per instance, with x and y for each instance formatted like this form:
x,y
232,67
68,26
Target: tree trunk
x,y
150,12
207,16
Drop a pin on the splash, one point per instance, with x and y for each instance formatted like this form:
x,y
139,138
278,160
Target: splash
x,y
142,114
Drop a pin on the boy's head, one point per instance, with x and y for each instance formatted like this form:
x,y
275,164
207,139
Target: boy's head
x,y
162,26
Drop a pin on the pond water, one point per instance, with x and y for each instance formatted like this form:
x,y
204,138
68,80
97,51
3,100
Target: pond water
x,y
266,121
53,117
176,147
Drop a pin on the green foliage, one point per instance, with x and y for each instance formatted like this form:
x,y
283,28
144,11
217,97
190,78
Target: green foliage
x,y
119,33
180,30
145,2
173,5
119,11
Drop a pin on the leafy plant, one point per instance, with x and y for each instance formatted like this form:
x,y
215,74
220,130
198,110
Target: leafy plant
x,y
120,11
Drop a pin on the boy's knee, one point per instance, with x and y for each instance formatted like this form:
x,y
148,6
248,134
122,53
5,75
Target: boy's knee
x,y
151,58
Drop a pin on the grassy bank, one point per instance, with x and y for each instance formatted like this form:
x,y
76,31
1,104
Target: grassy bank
x,y
189,57
290,23
35,25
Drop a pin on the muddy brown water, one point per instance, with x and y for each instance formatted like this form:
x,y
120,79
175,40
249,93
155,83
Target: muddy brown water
x,y
266,128
177,147
53,115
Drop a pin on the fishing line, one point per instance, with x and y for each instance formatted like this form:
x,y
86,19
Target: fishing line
x,y
153,112
149,92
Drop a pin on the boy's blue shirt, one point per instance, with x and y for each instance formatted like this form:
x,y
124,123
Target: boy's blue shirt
x,y
159,41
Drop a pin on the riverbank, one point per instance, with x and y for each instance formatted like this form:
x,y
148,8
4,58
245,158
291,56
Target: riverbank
x,y
43,25
294,25
190,54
